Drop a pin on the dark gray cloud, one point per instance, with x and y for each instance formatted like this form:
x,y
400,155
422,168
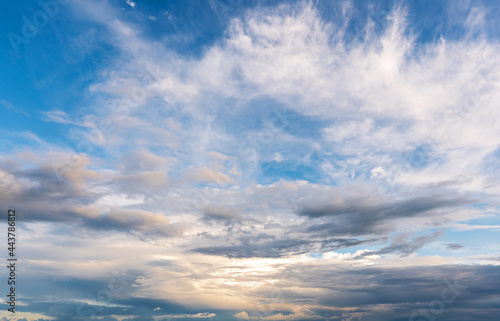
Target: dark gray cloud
x,y
352,217
364,216
146,223
279,248
369,293
223,214
58,190
402,208
377,294
404,246
68,299
454,246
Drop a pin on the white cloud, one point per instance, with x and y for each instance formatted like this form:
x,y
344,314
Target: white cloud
x,y
378,172
277,157
242,315
385,95
131,3
61,117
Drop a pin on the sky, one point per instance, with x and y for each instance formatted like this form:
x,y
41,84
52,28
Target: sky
x,y
251,159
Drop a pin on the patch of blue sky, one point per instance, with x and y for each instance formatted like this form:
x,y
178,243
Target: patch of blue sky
x,y
288,170
474,242
52,71
186,28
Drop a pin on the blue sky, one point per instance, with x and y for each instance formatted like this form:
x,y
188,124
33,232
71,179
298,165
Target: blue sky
x,y
252,160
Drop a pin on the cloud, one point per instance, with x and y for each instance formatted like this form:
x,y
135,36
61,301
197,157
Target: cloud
x,y
277,157
453,246
59,116
232,168
368,215
347,73
259,247
50,187
143,222
9,106
131,3
406,247
242,315
210,175
409,207
141,161
202,315
221,213
306,314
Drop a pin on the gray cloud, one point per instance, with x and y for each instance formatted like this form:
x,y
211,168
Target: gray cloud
x,y
143,222
380,209
364,216
220,213
57,190
454,246
279,248
404,246
381,294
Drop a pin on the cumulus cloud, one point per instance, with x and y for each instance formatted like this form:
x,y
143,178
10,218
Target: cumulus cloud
x,y
242,315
